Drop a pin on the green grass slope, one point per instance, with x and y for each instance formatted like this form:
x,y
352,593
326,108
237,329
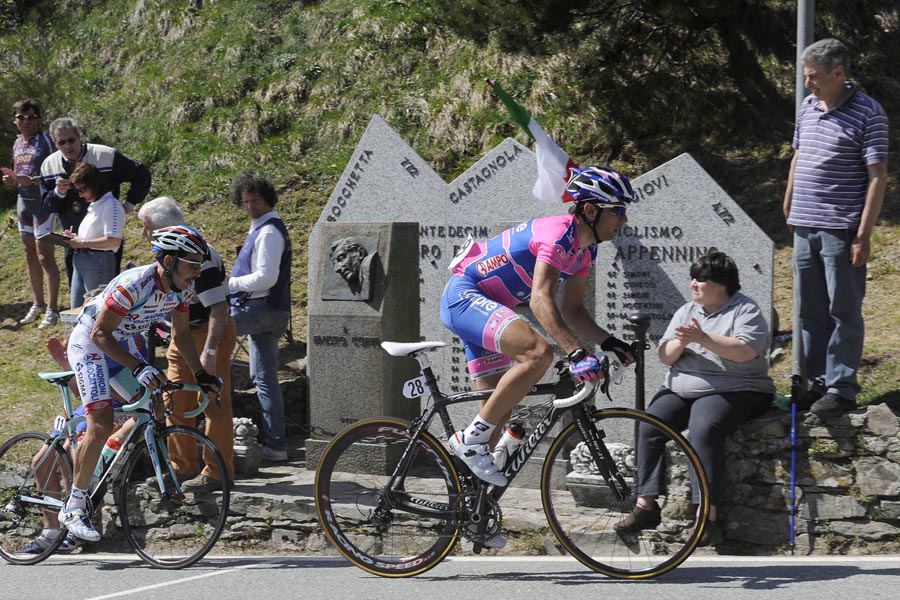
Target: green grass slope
x,y
201,90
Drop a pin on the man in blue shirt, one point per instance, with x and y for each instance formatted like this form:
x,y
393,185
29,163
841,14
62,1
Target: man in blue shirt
x,y
834,194
260,295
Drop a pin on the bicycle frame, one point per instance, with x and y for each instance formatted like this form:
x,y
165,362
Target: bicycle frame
x,y
145,422
564,388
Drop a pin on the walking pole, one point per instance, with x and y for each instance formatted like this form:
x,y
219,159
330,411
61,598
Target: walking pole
x,y
798,388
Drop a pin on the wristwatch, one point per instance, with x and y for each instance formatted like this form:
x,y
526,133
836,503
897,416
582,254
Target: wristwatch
x,y
210,351
576,355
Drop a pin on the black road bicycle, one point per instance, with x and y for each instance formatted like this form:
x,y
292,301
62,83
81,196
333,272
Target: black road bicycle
x,y
393,500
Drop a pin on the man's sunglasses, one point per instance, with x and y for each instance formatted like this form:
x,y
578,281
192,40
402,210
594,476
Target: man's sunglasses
x,y
70,140
618,211
27,118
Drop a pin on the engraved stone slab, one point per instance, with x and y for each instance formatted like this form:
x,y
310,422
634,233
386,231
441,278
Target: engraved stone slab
x,y
681,213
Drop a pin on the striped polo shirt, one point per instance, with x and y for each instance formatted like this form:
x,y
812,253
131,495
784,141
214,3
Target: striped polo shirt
x,y
834,151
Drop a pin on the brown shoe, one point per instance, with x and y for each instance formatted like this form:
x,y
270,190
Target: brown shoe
x,y
640,518
712,535
201,484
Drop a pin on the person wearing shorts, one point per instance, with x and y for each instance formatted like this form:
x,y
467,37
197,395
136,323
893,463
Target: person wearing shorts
x,y
522,265
30,149
103,342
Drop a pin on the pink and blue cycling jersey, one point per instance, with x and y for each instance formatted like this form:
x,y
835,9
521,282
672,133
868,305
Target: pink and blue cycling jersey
x,y
503,266
498,274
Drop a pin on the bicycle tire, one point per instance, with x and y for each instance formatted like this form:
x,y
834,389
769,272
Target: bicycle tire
x,y
403,535
175,531
582,510
22,522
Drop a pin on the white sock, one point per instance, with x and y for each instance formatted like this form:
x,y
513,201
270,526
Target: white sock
x,y
77,499
478,432
51,534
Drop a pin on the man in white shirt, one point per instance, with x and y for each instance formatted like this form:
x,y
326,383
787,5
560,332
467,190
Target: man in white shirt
x,y
260,295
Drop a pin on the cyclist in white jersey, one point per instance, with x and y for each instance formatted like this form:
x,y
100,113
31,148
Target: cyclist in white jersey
x,y
99,348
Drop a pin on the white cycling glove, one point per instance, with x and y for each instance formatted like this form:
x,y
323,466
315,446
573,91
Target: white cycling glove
x,y
146,374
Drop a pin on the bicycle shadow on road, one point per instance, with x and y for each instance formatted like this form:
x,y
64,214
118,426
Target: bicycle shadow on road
x,y
226,562
732,576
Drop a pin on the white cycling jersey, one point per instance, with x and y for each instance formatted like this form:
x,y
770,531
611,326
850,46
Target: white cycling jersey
x,y
136,295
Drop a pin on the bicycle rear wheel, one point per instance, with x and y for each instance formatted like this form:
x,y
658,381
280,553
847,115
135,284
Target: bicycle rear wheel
x,y
396,532
31,493
171,530
582,509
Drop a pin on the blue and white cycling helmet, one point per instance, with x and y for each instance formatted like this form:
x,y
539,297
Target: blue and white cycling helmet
x,y
601,185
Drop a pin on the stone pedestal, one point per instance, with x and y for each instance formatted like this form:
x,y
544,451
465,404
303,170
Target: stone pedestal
x,y
350,376
247,451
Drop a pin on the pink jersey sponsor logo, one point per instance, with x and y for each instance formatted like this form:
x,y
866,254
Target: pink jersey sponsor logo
x,y
495,262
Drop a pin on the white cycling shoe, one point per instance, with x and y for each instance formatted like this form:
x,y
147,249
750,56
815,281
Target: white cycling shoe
x,y
79,524
478,458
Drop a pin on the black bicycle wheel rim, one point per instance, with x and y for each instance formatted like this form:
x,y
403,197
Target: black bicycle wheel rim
x,y
582,511
351,474
174,532
22,522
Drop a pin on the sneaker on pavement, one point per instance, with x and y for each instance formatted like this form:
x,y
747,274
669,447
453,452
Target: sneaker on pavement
x,y
272,455
832,405
201,484
79,524
38,545
51,318
33,313
478,458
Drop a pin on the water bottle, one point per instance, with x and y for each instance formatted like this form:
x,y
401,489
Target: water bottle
x,y
509,443
109,452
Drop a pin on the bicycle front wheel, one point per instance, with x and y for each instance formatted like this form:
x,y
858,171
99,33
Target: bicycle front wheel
x,y
396,530
170,529
34,479
583,510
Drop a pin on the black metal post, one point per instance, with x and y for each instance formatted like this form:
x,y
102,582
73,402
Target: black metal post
x,y
640,323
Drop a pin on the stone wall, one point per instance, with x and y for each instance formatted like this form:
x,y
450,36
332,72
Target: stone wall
x,y
848,484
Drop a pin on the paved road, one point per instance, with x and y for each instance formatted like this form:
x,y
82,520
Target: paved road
x,y
720,578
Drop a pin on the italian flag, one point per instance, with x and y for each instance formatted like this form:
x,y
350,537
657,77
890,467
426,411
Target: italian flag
x,y
553,163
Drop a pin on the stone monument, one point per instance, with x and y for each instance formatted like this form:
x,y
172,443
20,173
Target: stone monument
x,y
680,214
350,376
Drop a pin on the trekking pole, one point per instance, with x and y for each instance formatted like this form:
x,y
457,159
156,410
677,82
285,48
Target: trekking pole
x,y
796,387
640,322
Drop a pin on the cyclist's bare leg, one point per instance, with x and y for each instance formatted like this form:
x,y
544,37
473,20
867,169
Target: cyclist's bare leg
x,y
99,426
533,357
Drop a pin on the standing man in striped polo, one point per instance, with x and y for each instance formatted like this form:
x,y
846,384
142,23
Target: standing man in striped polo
x,y
834,194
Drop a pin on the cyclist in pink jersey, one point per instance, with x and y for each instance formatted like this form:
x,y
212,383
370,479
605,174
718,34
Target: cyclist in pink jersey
x,y
526,264
99,348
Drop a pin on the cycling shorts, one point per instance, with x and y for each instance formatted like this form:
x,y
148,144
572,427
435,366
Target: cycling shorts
x,y
34,220
118,421
97,375
479,322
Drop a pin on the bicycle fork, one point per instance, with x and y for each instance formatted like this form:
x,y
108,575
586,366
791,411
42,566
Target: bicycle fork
x,y
593,437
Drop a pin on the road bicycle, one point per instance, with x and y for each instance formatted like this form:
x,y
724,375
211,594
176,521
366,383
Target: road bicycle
x,y
166,527
393,500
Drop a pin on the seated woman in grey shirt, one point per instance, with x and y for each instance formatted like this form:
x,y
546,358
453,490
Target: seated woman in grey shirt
x,y
715,347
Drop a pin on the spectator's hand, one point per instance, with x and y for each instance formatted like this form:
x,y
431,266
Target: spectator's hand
x,y
9,177
621,349
586,369
859,251
690,333
149,376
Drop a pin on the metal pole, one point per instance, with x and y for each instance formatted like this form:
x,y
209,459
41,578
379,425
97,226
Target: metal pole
x,y
640,323
806,29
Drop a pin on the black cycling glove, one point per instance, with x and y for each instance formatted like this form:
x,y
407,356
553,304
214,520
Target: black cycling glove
x,y
208,383
614,344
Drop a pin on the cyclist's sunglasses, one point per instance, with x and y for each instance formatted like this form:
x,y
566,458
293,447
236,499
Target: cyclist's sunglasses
x,y
618,211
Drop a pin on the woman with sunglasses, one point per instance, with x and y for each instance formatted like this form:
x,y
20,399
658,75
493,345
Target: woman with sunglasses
x,y
715,347
99,234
